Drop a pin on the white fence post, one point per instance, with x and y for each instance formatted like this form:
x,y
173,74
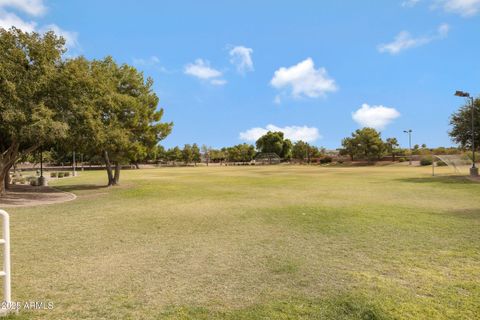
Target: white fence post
x,y
5,273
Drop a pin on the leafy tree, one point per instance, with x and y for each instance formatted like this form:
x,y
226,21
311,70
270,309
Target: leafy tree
x,y
206,153
392,144
274,142
187,154
300,150
286,150
129,126
29,118
349,148
196,155
366,143
174,154
461,122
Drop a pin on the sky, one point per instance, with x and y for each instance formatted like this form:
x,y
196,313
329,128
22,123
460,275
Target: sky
x,y
228,71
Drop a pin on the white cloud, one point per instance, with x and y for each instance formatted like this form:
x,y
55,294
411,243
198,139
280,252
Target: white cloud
x,y
404,40
241,57
201,69
410,3
71,37
151,62
465,8
304,80
31,7
294,133
8,20
377,117
218,82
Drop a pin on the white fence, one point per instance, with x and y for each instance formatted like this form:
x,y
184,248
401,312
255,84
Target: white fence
x,y
5,272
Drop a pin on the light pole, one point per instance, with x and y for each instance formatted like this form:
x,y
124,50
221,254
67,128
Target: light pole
x,y
409,131
473,169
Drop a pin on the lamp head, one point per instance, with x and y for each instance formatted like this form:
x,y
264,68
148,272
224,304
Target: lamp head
x,y
463,94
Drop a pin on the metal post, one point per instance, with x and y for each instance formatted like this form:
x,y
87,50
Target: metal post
x,y
74,171
41,163
473,131
7,285
410,145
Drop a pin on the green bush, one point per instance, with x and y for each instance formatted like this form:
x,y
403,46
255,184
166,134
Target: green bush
x,y
34,182
326,159
60,174
66,174
53,174
340,161
427,161
402,160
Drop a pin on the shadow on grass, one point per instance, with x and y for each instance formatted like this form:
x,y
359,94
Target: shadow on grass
x,y
473,214
437,179
81,187
343,307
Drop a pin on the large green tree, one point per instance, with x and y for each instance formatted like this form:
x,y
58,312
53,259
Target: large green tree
x,y
129,119
29,115
274,142
365,143
461,122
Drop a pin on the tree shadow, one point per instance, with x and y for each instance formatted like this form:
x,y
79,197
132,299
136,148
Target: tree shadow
x,y
437,179
473,214
81,187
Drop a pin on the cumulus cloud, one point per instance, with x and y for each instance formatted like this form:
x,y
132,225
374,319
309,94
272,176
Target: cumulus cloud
x,y
8,20
35,8
465,8
294,133
304,80
202,70
241,57
31,7
404,40
377,117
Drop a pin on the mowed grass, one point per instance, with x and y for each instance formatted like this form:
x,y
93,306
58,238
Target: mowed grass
x,y
272,242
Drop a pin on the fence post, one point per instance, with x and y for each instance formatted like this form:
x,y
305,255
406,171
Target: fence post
x,y
5,273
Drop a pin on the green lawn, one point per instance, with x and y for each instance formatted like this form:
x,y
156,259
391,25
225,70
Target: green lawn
x,y
279,242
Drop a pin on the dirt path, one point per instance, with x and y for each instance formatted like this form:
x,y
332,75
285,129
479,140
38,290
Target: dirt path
x,y
27,196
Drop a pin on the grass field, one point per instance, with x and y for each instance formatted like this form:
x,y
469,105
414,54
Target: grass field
x,y
279,242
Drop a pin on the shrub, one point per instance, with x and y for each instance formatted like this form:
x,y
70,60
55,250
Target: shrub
x,y
53,174
34,182
340,161
66,174
326,159
427,161
60,174
402,160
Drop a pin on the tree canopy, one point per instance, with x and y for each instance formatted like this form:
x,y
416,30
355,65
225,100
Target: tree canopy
x,y
461,122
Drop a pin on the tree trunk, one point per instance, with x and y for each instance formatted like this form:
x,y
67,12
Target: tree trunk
x,y
108,166
117,173
6,178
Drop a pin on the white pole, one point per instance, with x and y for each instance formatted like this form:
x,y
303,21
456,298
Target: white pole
x,y
6,258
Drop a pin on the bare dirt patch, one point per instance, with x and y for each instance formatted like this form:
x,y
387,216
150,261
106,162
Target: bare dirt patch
x,y
26,196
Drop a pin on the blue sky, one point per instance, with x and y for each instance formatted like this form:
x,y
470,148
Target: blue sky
x,y
227,71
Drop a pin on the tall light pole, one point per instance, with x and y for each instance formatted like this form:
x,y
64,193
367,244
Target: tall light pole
x,y
473,169
409,131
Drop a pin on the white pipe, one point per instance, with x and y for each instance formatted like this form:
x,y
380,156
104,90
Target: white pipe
x,y
6,258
